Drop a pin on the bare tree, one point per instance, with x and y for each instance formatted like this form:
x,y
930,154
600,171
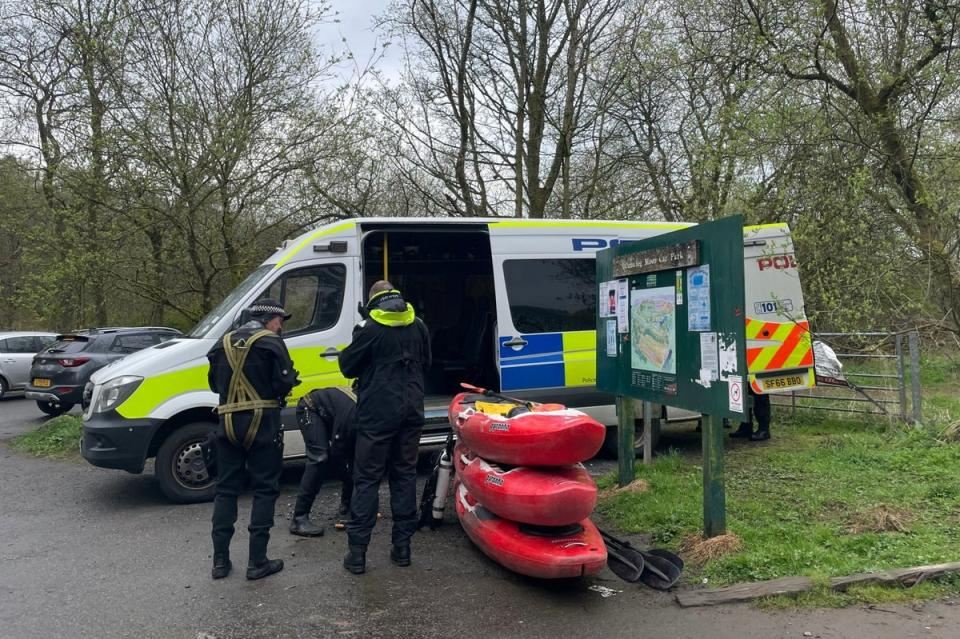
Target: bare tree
x,y
499,94
893,62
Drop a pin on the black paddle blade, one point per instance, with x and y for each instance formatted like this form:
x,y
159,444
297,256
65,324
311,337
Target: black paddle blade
x,y
622,567
659,573
624,560
669,556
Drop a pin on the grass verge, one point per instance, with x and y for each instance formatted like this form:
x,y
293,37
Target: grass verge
x,y
824,498
57,437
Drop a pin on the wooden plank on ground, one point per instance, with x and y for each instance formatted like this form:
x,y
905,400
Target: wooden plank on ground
x,y
793,585
898,577
744,592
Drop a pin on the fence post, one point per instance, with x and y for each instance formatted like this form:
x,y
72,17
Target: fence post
x,y
914,344
901,381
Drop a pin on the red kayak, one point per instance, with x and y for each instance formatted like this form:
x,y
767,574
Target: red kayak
x,y
574,553
555,497
511,433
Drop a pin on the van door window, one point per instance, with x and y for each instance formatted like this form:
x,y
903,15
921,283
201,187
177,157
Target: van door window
x,y
551,295
312,295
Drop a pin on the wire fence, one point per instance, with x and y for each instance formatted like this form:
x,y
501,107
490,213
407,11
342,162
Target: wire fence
x,y
881,376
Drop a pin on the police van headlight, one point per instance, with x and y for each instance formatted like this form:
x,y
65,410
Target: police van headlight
x,y
116,391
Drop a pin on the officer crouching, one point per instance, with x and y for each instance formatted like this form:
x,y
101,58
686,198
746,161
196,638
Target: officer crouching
x,y
251,370
327,419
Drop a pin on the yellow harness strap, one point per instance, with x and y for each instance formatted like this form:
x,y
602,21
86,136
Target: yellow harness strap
x,y
241,395
349,393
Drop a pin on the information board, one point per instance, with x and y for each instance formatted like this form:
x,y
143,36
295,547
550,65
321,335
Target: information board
x,y
671,324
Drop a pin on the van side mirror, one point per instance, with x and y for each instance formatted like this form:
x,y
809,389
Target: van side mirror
x,y
241,319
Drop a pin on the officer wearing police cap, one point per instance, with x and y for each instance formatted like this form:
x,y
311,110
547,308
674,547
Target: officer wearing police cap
x,y
251,371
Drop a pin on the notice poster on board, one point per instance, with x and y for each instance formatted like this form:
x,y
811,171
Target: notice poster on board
x,y
607,304
698,298
623,306
611,338
709,360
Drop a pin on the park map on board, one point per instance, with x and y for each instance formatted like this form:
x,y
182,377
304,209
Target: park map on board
x,y
653,329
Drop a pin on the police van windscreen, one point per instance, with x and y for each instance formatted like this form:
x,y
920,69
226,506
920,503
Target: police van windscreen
x,y
226,306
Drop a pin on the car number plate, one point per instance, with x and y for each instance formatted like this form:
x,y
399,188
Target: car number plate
x,y
41,383
787,381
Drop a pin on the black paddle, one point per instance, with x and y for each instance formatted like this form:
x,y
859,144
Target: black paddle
x,y
657,568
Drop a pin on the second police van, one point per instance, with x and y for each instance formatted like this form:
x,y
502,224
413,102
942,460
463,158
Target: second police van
x,y
510,305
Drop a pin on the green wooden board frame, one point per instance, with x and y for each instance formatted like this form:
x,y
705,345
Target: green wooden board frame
x,y
720,247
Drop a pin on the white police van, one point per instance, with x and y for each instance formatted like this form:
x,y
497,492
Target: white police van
x,y
509,303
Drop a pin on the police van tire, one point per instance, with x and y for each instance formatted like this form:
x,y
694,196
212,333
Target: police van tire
x,y
611,442
179,467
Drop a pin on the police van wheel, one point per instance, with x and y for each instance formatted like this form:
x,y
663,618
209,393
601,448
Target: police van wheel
x,y
179,467
611,443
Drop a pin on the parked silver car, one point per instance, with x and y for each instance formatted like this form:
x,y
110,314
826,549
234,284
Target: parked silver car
x,y
17,349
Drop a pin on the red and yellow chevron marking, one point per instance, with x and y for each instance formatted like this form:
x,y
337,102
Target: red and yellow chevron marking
x,y
790,345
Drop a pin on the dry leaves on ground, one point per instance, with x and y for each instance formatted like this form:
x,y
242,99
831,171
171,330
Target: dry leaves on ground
x,y
699,550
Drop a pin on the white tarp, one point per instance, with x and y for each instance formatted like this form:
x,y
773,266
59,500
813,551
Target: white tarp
x,y
828,368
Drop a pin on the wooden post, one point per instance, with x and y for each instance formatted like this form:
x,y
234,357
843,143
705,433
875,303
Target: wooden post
x,y
714,498
626,452
647,433
913,342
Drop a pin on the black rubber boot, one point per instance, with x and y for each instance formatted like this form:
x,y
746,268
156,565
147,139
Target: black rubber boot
x,y
344,508
221,565
745,431
302,526
356,560
264,569
761,435
400,555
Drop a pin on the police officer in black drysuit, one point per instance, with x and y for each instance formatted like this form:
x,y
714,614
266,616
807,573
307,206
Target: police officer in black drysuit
x,y
389,354
327,419
251,370
760,410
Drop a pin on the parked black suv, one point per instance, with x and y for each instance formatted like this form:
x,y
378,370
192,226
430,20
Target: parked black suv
x,y
60,371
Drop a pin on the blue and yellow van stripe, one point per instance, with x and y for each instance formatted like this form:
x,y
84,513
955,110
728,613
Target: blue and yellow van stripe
x,y
549,360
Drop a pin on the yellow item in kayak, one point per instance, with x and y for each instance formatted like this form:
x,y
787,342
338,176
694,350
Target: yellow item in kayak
x,y
495,408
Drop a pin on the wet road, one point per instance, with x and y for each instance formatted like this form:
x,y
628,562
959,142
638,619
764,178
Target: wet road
x,y
86,552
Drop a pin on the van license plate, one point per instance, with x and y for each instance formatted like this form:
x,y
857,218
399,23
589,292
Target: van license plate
x,y
787,381
41,383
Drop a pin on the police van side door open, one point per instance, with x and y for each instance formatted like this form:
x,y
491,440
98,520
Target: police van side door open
x,y
444,271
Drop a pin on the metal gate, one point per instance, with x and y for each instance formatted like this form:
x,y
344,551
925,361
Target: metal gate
x,y
875,367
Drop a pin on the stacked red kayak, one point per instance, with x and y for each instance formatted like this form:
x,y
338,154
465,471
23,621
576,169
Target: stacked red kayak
x,y
521,494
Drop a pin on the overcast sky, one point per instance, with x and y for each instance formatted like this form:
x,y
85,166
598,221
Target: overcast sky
x,y
356,18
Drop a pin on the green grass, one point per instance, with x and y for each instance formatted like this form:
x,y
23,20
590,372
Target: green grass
x,y
57,437
795,502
